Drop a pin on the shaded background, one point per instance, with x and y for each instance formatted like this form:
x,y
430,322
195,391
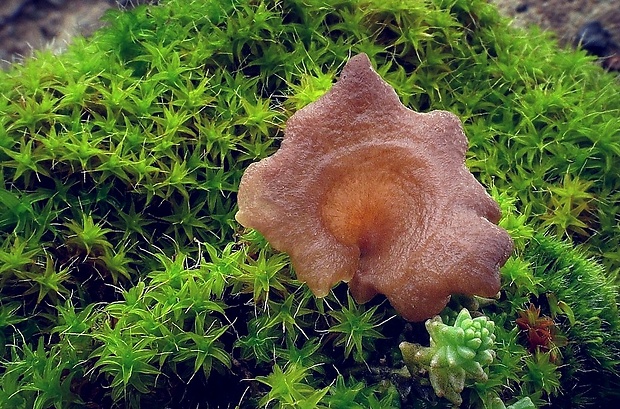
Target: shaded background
x,y
31,24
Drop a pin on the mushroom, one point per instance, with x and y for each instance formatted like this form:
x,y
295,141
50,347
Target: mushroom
x,y
367,191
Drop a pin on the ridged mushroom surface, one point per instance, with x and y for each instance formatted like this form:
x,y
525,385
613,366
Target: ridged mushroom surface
x,y
367,191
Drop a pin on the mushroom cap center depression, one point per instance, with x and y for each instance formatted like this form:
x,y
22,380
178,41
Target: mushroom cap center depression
x,y
364,203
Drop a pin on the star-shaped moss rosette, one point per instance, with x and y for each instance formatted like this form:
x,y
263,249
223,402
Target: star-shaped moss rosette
x,y
456,353
367,191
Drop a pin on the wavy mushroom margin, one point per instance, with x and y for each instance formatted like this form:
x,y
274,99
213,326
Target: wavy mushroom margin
x,y
367,191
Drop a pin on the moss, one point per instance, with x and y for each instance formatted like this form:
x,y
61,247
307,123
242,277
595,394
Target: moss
x,y
578,299
127,283
577,291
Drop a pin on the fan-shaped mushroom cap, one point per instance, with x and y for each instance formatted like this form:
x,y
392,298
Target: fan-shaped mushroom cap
x,y
368,191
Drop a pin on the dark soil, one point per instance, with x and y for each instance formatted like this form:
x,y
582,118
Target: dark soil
x,y
26,25
595,24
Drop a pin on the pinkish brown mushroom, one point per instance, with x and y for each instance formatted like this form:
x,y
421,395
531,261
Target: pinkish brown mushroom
x,y
365,190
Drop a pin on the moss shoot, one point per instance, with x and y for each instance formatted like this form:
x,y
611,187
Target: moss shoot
x,y
126,282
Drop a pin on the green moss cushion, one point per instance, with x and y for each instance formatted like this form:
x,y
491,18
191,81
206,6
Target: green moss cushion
x,y
126,282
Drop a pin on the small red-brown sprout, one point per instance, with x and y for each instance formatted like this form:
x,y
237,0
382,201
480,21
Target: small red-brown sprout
x,y
367,191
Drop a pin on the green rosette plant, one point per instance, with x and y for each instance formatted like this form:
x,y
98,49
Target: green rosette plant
x,y
457,353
